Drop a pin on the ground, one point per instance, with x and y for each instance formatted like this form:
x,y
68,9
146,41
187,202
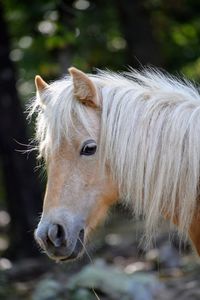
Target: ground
x,y
117,267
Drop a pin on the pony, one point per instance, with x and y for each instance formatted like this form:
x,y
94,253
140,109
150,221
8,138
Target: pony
x,y
133,136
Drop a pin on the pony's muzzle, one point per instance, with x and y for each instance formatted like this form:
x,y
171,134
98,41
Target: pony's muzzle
x,y
55,241
56,235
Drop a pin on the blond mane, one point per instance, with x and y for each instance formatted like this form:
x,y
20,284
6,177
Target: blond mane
x,y
150,136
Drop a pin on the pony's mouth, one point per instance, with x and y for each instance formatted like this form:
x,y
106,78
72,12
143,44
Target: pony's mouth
x,y
77,249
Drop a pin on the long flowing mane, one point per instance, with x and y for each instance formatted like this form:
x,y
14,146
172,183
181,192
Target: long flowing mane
x,y
150,135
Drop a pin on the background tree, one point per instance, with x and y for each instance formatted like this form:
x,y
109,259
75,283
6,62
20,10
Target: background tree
x,y
142,46
23,197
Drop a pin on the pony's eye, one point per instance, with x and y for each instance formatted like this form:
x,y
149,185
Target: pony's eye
x,y
89,148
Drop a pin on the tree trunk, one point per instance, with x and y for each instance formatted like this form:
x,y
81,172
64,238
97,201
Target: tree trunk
x,y
142,48
23,197
66,17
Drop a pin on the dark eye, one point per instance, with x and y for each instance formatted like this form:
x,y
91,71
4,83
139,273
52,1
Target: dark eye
x,y
89,148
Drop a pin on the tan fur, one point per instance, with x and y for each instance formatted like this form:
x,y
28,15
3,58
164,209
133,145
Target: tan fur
x,y
70,176
84,88
40,83
194,232
100,211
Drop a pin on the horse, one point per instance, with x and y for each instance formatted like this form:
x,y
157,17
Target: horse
x,y
133,136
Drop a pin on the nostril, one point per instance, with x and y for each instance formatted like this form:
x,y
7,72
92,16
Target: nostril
x,y
56,235
81,235
60,232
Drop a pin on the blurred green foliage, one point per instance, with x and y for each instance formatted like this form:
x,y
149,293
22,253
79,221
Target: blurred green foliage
x,y
48,36
177,26
44,33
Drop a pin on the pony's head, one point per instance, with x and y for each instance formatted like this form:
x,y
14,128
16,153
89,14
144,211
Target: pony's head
x,y
134,136
79,190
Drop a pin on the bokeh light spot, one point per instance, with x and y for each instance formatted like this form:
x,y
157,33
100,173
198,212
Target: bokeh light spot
x,y
81,4
25,42
47,27
5,264
16,54
4,218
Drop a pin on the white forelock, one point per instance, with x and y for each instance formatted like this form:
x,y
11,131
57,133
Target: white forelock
x,y
150,136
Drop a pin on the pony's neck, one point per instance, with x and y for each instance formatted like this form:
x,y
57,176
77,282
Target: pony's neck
x,y
151,138
194,231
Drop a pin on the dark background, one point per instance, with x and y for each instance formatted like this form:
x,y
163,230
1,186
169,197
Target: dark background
x,y
47,37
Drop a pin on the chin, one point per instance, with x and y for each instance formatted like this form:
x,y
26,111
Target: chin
x,y
72,257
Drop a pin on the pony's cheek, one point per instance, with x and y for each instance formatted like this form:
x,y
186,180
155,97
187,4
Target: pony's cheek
x,y
99,212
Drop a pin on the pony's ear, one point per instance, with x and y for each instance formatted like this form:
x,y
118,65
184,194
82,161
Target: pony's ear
x,y
84,89
40,83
